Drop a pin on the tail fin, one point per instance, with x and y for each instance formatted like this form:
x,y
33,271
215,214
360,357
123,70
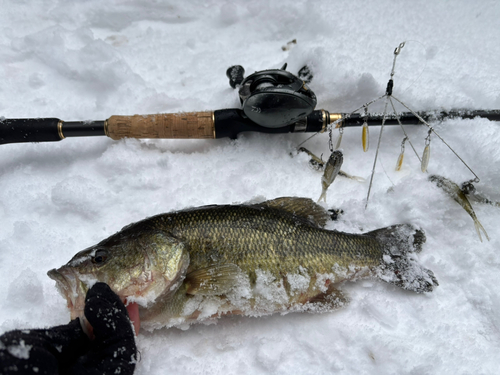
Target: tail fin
x,y
479,227
399,265
323,195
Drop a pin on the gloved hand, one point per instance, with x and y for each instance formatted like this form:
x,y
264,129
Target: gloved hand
x,y
66,349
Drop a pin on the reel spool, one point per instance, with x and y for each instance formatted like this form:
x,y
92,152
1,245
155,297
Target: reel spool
x,y
273,98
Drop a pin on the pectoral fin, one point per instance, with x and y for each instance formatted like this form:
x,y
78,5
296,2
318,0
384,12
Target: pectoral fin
x,y
212,281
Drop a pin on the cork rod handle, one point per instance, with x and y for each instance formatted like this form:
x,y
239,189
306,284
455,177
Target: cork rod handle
x,y
194,125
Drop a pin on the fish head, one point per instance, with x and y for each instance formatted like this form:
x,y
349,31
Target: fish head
x,y
447,185
336,158
138,267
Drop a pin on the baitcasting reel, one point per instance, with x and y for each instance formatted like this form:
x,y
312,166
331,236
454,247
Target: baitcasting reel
x,y
274,98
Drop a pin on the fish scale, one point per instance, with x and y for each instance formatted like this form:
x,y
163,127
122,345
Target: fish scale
x,y
271,240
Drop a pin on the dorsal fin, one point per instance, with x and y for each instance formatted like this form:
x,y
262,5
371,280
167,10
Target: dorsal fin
x,y
304,208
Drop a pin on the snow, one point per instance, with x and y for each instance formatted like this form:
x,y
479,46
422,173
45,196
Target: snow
x,y
21,351
90,60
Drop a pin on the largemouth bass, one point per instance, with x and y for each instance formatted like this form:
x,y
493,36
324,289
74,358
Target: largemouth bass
x,y
178,268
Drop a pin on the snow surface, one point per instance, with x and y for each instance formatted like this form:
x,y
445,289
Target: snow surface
x,y
93,59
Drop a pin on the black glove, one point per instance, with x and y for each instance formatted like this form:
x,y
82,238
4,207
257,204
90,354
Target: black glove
x,y
66,349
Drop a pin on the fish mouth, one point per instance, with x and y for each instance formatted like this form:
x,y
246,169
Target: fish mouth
x,y
74,291
71,288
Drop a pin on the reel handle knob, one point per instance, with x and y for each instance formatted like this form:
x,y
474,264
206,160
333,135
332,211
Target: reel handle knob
x,y
235,74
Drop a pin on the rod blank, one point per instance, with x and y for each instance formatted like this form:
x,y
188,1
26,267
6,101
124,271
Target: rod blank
x,y
407,118
46,129
200,125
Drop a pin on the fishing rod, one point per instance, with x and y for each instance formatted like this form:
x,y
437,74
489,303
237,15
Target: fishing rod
x,y
273,101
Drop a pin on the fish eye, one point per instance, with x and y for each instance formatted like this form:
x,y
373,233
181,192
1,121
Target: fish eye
x,y
100,257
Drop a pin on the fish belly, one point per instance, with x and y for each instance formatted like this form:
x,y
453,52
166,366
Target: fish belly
x,y
294,292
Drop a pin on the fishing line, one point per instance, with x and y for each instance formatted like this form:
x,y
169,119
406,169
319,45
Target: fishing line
x,y
315,134
388,93
339,121
423,69
406,135
441,138
330,127
376,153
385,172
367,104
